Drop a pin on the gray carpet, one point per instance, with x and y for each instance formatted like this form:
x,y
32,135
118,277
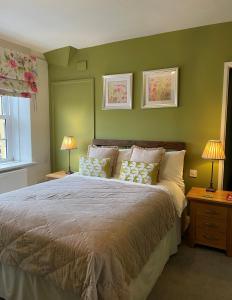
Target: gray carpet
x,y
195,273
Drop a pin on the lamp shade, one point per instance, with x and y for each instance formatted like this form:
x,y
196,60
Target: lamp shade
x,y
213,150
69,143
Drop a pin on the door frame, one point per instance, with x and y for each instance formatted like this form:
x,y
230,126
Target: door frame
x,y
227,67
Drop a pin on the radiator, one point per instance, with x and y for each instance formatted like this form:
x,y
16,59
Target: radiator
x,y
13,180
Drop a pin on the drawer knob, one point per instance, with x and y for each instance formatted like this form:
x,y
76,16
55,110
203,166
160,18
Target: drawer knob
x,y
210,238
211,225
211,212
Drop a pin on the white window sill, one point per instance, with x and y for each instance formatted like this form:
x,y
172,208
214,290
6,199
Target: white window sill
x,y
13,165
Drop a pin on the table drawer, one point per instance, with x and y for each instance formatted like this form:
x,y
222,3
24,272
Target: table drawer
x,y
211,225
213,211
216,224
211,237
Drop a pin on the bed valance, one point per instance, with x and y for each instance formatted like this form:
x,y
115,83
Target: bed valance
x,y
18,73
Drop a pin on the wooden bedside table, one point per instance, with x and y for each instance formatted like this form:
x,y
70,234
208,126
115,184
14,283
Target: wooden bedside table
x,y
210,219
56,175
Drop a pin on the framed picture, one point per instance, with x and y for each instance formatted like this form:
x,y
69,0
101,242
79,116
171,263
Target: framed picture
x,y
160,88
117,91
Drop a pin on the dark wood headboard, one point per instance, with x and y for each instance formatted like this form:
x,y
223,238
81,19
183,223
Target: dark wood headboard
x,y
145,144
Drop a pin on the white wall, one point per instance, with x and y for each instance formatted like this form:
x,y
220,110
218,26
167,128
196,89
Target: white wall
x,y
12,180
40,128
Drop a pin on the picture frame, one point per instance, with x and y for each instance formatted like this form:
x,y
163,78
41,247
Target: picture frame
x,y
160,88
117,91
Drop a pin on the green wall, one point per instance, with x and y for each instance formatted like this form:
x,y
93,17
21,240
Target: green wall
x,y
199,53
71,115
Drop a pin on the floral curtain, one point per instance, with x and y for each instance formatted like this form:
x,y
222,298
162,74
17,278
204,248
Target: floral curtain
x,y
18,73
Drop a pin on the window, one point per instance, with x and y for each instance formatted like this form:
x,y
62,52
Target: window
x,y
15,129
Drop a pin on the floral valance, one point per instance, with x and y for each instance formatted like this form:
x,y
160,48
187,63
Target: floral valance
x,y
18,73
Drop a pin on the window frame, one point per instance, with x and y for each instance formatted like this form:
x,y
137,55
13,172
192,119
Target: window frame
x,y
17,113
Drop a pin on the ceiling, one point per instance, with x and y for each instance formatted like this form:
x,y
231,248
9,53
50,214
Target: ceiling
x,y
49,24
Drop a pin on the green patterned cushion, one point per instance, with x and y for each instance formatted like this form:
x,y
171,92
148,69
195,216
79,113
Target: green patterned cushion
x,y
94,167
139,172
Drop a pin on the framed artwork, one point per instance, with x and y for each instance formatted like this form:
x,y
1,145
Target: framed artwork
x,y
117,91
160,88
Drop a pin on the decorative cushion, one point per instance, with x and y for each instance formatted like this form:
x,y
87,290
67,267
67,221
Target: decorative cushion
x,y
147,155
104,152
94,167
139,172
123,154
171,167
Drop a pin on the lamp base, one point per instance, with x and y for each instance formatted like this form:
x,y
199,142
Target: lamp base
x,y
210,189
69,172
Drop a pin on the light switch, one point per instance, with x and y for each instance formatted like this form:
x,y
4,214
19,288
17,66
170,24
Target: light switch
x,y
193,173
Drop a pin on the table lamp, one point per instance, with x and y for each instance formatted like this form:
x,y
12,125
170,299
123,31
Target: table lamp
x,y
69,143
213,151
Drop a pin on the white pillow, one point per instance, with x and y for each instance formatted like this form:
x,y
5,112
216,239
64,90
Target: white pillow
x,y
147,155
123,154
171,167
104,152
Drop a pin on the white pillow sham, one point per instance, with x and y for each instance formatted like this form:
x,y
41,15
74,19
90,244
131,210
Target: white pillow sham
x,y
171,167
147,155
104,152
123,154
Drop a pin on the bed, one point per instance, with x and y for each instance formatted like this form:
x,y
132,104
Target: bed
x,y
88,238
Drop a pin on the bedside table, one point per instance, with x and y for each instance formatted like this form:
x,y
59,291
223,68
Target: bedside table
x,y
56,175
210,219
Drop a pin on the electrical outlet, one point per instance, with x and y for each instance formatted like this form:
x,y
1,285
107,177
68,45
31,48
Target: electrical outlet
x,y
193,173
